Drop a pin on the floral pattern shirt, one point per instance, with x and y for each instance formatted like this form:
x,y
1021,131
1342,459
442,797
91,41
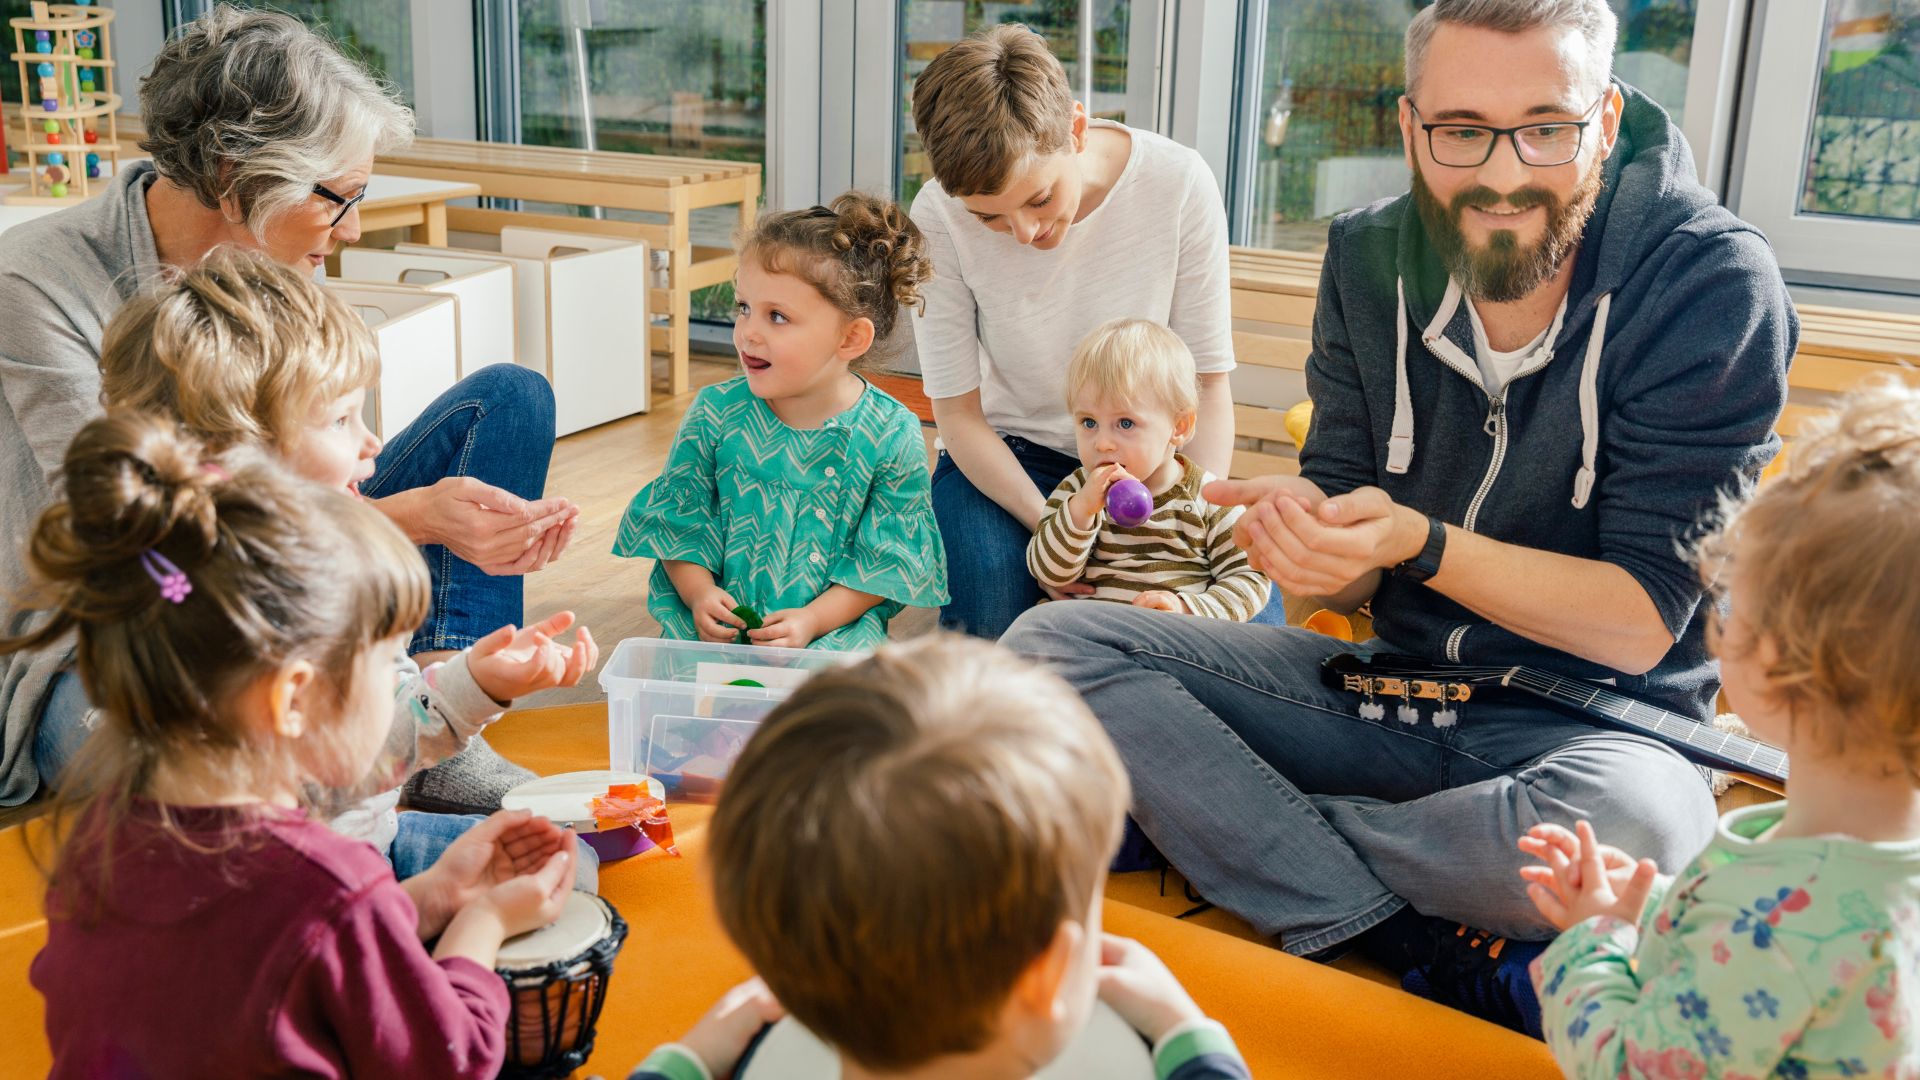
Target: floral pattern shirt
x,y
1793,958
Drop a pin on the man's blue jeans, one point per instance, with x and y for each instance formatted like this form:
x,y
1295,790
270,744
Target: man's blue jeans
x,y
987,572
495,425
1281,804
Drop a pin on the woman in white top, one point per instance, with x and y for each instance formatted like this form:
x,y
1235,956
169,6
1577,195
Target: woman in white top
x,y
1042,225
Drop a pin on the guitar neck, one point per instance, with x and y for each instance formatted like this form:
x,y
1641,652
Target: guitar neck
x,y
1666,726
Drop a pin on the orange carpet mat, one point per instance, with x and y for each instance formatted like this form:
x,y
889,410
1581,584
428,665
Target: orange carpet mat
x,y
1291,1018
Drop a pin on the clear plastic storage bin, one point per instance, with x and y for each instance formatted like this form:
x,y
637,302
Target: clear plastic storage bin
x,y
681,711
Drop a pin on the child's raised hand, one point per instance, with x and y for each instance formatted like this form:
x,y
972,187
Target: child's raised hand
x,y
789,628
1582,877
722,1035
1160,600
1085,505
713,617
510,663
1137,985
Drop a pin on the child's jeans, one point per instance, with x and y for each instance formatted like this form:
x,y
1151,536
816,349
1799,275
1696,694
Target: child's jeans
x,y
987,572
495,425
423,837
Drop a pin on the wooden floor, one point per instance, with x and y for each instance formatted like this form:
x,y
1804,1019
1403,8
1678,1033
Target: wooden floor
x,y
602,469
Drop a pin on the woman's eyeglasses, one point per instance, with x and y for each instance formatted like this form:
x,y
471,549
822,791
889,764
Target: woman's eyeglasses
x,y
346,205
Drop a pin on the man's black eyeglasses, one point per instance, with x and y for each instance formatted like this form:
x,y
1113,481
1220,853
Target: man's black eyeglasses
x,y
346,205
1544,145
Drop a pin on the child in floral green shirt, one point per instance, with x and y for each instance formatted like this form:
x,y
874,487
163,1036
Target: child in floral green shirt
x,y
1790,947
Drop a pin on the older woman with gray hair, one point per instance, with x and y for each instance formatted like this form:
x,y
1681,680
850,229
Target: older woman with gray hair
x,y
262,136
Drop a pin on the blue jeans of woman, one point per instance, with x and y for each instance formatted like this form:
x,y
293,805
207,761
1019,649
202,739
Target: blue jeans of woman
x,y
495,425
987,547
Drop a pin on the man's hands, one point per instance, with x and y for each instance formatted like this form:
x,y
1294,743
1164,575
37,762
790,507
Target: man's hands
x,y
1312,545
495,530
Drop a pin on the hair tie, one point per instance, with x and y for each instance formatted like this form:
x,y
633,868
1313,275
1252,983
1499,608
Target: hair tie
x,y
214,470
172,580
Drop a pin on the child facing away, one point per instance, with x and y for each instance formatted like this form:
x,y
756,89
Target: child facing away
x,y
243,350
982,791
798,490
1790,947
1132,392
235,628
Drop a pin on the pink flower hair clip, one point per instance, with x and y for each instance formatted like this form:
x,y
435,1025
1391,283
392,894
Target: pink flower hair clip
x,y
173,582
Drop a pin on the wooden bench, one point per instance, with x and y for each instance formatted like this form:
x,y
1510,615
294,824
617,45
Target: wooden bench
x,y
673,186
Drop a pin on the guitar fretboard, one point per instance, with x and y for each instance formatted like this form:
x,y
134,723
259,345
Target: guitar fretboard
x,y
1757,756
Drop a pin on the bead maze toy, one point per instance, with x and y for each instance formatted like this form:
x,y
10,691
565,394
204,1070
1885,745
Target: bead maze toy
x,y
66,88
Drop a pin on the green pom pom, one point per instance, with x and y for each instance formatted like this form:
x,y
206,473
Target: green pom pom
x,y
752,619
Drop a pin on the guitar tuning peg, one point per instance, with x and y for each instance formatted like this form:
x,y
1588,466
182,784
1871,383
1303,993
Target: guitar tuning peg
x,y
1406,713
1372,710
1445,718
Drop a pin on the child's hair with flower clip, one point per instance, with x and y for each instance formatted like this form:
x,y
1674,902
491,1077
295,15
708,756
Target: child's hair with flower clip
x,y
184,577
1828,555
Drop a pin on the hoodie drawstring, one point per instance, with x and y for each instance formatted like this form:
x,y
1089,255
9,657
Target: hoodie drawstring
x,y
1400,444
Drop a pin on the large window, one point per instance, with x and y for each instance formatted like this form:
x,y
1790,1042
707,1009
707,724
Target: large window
x,y
929,27
379,33
1330,73
1863,143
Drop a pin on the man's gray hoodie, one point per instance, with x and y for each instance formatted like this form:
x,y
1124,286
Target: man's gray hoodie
x,y
1660,391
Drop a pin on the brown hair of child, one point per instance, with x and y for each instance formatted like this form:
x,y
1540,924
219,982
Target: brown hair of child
x,y
904,836
277,569
988,106
238,349
862,253
1826,556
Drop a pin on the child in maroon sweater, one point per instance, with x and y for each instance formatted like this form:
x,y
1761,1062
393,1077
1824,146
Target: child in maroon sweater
x,y
238,630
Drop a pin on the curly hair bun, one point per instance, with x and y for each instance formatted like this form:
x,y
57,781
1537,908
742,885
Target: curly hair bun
x,y
133,482
887,246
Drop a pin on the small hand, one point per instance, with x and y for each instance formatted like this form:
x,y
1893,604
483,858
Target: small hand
x,y
1160,600
507,844
721,1036
529,901
789,628
511,663
1072,590
1085,505
1579,885
1137,985
713,617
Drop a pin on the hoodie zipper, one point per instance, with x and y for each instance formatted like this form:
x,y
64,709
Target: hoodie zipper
x,y
1495,426
1453,642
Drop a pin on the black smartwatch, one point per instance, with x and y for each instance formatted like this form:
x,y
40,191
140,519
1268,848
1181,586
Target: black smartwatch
x,y
1427,563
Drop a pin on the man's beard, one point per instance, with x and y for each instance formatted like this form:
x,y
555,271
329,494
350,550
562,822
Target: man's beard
x,y
1503,271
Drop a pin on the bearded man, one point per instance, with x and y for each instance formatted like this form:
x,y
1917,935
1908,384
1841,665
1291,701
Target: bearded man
x,y
1532,375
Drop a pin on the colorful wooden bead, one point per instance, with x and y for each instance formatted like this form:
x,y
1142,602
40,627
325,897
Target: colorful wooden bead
x,y
56,158
85,54
59,191
93,172
93,160
43,46
43,35
45,71
92,136
49,126
57,173
51,104
53,138
85,39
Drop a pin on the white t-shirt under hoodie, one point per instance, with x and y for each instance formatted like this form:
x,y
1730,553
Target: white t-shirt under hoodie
x,y
1004,318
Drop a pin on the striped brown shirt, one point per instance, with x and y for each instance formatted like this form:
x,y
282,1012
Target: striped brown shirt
x,y
1185,548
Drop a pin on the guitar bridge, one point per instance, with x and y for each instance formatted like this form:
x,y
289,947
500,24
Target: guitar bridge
x,y
1394,687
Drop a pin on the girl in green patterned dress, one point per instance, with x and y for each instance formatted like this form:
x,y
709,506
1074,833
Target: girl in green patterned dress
x,y
1790,947
798,489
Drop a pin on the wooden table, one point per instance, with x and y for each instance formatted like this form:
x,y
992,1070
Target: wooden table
x,y
672,186
395,202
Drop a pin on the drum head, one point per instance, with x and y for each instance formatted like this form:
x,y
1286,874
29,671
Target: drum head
x,y
567,799
583,921
1106,1048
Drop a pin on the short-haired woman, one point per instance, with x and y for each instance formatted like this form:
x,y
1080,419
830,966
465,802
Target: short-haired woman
x,y
262,136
